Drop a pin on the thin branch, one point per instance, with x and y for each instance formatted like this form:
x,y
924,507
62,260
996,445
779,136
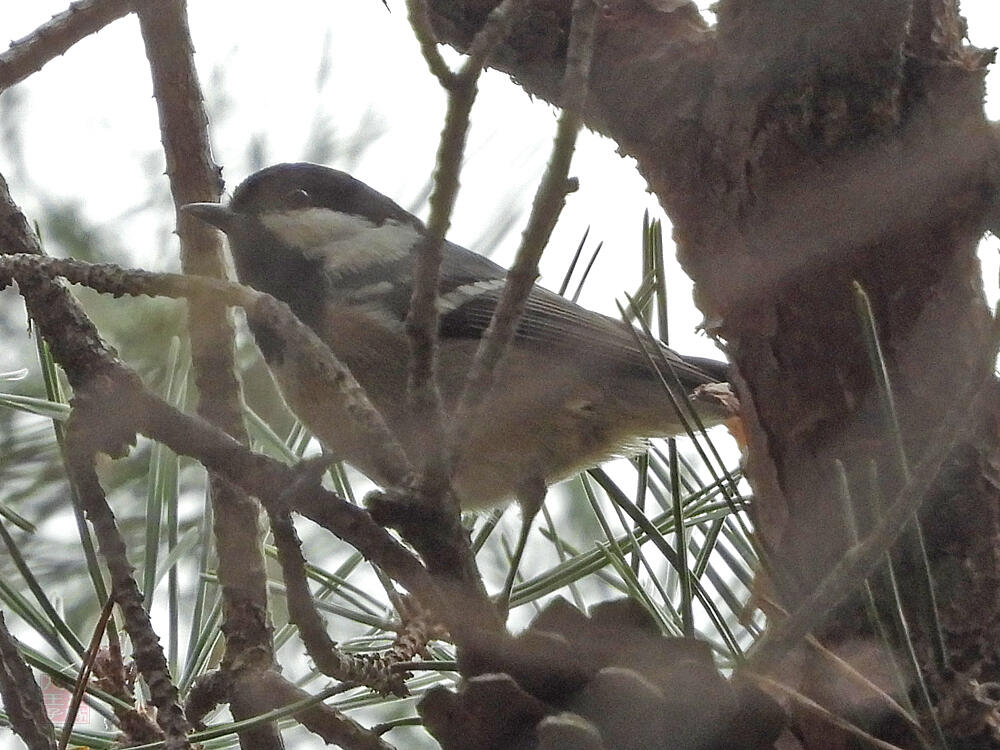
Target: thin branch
x,y
80,689
422,318
46,299
273,691
54,37
260,307
82,434
22,697
420,22
272,698
443,543
194,176
302,611
548,203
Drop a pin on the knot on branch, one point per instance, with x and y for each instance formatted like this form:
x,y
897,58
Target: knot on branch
x,y
208,691
429,520
103,418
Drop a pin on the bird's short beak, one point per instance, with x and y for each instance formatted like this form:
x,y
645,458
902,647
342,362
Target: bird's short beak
x,y
215,214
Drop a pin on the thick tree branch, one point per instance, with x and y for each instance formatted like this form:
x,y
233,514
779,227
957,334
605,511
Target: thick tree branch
x,y
861,560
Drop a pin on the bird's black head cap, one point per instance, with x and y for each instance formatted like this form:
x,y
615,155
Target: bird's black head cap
x,y
303,185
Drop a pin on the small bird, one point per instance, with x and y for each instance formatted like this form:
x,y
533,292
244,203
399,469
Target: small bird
x,y
573,389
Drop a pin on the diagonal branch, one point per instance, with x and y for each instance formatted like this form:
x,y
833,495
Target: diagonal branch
x,y
83,433
53,38
422,318
549,201
274,691
22,697
302,612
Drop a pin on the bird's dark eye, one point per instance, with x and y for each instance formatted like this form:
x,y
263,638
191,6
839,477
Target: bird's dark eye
x,y
298,198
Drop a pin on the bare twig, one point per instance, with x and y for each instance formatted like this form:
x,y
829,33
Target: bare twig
x,y
422,319
450,550
82,434
54,37
22,697
302,612
263,308
274,691
420,22
80,689
549,200
194,176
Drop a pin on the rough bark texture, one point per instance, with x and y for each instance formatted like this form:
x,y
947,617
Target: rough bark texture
x,y
799,146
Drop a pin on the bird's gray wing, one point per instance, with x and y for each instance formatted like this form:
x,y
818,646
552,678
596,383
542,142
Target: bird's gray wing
x,y
551,321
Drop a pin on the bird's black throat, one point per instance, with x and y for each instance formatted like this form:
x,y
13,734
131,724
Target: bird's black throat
x,y
286,274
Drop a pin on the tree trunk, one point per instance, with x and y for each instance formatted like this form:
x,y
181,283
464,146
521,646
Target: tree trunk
x,y
799,146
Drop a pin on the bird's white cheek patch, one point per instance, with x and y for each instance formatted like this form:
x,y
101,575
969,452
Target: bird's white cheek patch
x,y
346,243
